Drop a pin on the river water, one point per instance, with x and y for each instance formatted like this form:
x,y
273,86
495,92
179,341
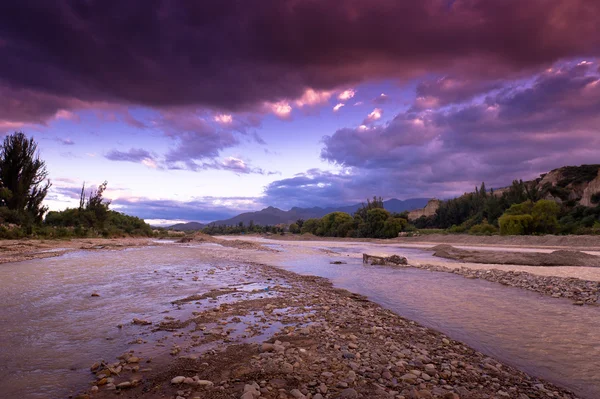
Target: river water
x,y
51,329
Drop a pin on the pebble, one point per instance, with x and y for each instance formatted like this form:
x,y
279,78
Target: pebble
x,y
348,393
178,380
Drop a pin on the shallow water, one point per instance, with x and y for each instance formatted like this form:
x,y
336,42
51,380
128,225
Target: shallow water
x,y
546,337
52,330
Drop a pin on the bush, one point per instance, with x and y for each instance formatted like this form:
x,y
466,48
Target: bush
x,y
294,229
454,229
515,224
310,226
483,228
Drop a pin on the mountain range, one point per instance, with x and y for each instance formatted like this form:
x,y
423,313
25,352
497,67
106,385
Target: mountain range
x,y
273,216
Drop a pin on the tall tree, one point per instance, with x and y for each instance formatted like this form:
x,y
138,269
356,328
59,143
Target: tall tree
x,y
23,176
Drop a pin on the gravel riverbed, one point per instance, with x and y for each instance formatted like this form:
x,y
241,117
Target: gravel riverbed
x,y
293,336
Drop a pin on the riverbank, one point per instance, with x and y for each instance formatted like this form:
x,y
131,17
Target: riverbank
x,y
554,258
26,249
302,338
583,242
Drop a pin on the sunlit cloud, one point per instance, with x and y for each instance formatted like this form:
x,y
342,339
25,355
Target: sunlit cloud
x,y
224,119
312,97
375,115
281,109
346,95
338,107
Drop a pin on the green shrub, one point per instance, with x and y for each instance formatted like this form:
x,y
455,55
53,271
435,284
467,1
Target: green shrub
x,y
454,229
483,228
515,224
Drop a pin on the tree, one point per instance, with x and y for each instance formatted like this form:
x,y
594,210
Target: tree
x,y
310,226
97,207
294,229
23,177
335,224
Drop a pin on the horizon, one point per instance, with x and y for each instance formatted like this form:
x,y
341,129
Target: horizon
x,y
298,104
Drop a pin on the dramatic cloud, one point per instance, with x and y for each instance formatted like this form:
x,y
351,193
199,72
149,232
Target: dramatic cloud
x,y
224,55
519,130
447,90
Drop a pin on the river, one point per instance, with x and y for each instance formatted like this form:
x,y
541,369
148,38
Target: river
x,y
51,329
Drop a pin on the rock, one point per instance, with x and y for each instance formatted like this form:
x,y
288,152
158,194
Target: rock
x,y
95,294
318,396
204,383
451,395
287,368
141,322
409,378
297,394
348,393
125,385
424,394
178,380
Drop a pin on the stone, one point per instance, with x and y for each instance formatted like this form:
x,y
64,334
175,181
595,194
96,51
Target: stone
x,y
348,393
178,380
204,383
297,394
125,385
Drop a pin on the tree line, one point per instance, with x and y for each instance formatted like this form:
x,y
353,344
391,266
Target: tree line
x,y
24,184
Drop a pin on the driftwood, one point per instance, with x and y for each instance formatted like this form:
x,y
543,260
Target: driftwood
x,y
382,260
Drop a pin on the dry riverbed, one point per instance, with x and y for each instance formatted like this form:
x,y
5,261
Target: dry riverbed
x,y
292,336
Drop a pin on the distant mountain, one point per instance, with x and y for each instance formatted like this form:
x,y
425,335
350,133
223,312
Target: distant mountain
x,y
191,226
273,216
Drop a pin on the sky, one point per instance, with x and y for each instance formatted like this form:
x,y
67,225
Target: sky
x,y
200,110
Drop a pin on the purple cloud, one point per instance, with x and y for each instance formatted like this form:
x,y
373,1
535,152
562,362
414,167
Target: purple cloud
x,y
517,131
235,56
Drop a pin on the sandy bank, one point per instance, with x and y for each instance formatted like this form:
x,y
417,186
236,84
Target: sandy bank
x,y
591,243
555,258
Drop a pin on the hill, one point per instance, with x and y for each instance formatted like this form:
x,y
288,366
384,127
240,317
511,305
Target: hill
x,y
274,216
191,226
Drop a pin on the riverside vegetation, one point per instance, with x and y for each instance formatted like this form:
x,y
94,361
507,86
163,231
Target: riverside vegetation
x,y
551,204
24,184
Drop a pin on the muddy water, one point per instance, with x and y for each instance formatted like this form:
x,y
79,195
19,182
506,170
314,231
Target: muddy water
x,y
51,329
546,337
